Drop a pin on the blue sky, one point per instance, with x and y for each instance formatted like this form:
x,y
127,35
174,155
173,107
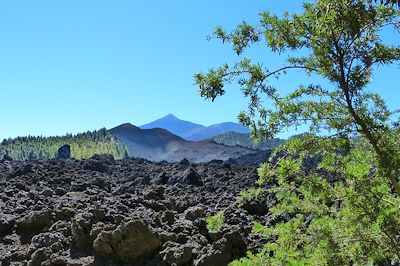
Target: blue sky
x,y
72,66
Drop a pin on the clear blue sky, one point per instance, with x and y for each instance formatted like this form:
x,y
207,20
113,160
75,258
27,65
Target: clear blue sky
x,y
72,66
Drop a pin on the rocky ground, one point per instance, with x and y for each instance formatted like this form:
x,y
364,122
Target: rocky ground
x,y
131,212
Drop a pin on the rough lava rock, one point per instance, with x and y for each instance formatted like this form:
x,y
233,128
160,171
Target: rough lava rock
x,y
129,242
189,177
103,211
47,239
7,222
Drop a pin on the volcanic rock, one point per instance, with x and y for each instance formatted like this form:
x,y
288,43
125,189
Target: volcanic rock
x,y
6,223
96,166
73,212
177,254
46,239
64,152
6,158
35,221
103,157
80,229
184,162
193,213
189,177
133,241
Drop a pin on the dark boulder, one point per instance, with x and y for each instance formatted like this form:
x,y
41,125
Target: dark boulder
x,y
64,152
129,242
231,246
216,162
155,193
35,221
6,158
177,254
23,170
103,157
162,178
192,213
189,177
227,165
96,166
184,162
6,223
80,228
260,205
232,161
47,239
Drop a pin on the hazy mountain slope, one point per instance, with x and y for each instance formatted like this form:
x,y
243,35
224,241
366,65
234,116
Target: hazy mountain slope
x,y
244,140
213,130
159,144
173,124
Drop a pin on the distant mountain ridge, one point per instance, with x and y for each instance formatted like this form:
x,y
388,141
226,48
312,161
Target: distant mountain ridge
x,y
158,144
193,131
244,140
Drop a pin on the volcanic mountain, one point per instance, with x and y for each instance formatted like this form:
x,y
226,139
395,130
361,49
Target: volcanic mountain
x,y
174,125
193,131
158,144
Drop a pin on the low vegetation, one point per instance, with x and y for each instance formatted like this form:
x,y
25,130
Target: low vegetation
x,y
215,222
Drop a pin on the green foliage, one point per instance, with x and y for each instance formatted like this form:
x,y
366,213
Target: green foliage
x,y
215,222
389,2
83,146
343,210
342,217
248,195
251,260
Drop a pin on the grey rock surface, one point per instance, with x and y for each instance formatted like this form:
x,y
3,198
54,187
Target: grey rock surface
x,y
103,211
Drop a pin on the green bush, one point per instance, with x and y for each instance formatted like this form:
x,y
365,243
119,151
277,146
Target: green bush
x,y
215,222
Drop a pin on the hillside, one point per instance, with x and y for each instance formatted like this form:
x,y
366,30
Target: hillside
x,y
159,144
244,140
83,145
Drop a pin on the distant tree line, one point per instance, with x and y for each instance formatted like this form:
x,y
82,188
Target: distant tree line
x,y
244,140
83,145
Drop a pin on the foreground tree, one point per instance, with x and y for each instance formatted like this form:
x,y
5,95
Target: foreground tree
x,y
389,2
346,210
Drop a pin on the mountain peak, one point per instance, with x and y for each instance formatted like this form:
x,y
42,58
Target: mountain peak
x,y
125,126
173,125
170,116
